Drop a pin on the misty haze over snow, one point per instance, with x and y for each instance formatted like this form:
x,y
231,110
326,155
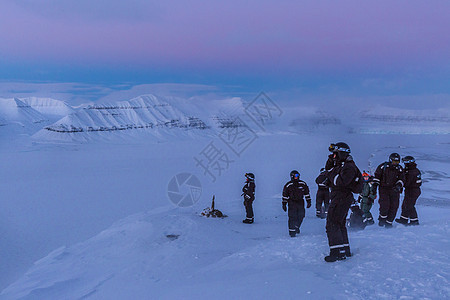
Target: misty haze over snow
x,y
86,212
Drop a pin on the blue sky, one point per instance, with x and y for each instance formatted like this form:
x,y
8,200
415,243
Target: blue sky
x,y
316,48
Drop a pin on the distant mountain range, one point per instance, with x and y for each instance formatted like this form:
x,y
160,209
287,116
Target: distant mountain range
x,y
161,118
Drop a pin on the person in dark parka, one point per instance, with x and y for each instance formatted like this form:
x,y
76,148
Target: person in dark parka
x,y
293,193
248,191
389,178
341,174
367,198
413,181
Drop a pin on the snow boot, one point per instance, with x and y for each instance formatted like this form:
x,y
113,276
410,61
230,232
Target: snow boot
x,y
335,254
292,233
347,251
319,214
248,221
402,220
369,221
297,230
381,222
414,223
388,224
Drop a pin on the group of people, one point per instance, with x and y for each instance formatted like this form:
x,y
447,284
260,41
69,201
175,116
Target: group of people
x,y
337,182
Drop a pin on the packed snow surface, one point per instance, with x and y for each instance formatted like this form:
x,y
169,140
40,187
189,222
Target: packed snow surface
x,y
94,221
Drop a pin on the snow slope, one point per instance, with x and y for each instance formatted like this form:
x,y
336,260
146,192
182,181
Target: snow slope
x,y
70,196
168,252
146,116
213,258
51,108
18,117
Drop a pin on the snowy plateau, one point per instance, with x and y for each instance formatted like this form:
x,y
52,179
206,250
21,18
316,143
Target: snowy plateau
x,y
86,213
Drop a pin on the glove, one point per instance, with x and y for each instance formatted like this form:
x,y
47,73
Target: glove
x,y
374,187
330,162
398,188
247,196
308,204
359,199
284,206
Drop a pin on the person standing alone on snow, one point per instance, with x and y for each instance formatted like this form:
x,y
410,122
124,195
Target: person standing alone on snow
x,y
341,175
389,178
293,193
322,196
248,191
366,198
413,181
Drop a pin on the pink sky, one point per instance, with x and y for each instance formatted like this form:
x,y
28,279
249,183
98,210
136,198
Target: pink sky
x,y
286,36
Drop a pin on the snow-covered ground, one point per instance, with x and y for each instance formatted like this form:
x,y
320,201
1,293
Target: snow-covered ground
x,y
94,221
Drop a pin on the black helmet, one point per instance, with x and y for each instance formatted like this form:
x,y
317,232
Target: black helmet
x,y
250,176
394,157
342,150
408,159
341,147
295,175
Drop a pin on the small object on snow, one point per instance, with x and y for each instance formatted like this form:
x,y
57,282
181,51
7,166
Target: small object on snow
x,y
212,212
172,237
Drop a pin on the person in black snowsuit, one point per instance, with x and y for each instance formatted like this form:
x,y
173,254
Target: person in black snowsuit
x,y
340,176
248,191
413,181
389,178
293,193
322,197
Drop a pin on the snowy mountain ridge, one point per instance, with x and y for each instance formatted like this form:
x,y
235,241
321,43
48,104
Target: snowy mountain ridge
x,y
18,117
147,115
382,113
16,110
49,106
162,117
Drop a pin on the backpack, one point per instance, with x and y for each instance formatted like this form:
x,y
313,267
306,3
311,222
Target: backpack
x,y
358,182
